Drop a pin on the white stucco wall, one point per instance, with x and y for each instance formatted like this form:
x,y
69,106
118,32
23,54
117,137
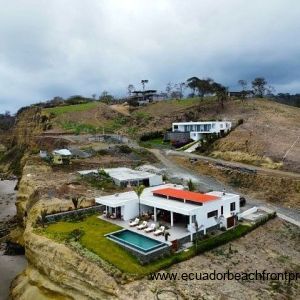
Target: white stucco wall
x,y
155,180
130,210
207,207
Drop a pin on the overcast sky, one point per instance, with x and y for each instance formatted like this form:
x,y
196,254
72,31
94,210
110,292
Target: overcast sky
x,y
67,47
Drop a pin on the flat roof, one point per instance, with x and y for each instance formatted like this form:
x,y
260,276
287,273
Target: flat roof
x,y
117,200
122,173
147,198
184,195
63,152
199,122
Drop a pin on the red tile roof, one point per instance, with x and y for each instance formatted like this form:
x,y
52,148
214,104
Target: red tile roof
x,y
184,195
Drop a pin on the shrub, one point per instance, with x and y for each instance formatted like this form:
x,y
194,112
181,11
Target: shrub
x,y
230,235
125,149
151,135
75,234
103,152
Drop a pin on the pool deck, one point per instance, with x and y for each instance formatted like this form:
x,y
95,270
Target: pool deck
x,y
176,232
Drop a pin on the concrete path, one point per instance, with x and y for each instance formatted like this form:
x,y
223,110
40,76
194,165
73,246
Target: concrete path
x,y
192,148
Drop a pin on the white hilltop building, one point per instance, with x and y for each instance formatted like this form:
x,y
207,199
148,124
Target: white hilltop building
x,y
197,130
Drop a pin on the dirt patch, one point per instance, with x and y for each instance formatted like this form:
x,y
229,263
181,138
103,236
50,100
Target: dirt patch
x,y
273,247
121,108
279,190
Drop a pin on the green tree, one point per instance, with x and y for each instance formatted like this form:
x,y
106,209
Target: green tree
x,y
221,93
106,97
139,191
259,86
192,83
202,86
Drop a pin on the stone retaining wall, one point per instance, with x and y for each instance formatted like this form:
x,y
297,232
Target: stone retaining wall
x,y
145,258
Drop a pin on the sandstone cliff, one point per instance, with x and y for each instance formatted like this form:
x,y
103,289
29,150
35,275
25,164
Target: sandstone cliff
x,y
54,270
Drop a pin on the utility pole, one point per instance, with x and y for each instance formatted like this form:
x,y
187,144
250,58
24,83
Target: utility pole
x,y
286,153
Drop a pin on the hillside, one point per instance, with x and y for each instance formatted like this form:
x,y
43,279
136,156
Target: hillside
x,y
268,131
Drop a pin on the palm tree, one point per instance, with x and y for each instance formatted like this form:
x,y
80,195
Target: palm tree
x,y
139,190
191,185
75,201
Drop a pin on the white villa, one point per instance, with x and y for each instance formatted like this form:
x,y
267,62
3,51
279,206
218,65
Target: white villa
x,y
198,129
173,205
129,177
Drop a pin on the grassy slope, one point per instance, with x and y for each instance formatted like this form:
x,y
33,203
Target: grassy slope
x,y
86,118
71,108
268,131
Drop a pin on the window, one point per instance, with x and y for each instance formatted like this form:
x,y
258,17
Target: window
x,y
222,210
232,206
175,127
213,213
221,125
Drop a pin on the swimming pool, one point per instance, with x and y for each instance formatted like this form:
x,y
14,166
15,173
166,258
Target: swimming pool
x,y
135,240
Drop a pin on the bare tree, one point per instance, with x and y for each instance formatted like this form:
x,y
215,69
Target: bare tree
x,y
244,84
180,87
169,88
130,89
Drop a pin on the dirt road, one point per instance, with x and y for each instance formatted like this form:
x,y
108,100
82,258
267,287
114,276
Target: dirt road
x,y
235,164
206,183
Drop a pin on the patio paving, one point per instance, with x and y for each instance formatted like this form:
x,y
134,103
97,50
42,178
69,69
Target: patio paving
x,y
176,232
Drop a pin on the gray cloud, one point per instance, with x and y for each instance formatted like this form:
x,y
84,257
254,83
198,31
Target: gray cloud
x,y
66,47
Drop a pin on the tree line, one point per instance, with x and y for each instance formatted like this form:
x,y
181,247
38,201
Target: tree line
x,y
192,87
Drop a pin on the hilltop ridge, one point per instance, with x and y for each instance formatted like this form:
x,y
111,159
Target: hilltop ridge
x,y
268,131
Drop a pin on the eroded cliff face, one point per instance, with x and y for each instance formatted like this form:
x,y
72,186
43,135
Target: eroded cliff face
x,y
54,270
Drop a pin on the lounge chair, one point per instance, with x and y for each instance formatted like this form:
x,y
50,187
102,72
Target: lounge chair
x,y
150,228
160,230
143,225
135,222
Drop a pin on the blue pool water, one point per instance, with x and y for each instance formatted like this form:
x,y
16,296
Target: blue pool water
x,y
136,240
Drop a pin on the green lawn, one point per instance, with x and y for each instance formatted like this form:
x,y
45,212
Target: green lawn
x,y
156,143
71,108
95,241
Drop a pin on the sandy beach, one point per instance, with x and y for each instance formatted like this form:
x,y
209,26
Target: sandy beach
x,y
10,266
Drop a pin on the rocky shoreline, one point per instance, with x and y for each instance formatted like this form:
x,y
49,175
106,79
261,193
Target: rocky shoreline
x,y
10,265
